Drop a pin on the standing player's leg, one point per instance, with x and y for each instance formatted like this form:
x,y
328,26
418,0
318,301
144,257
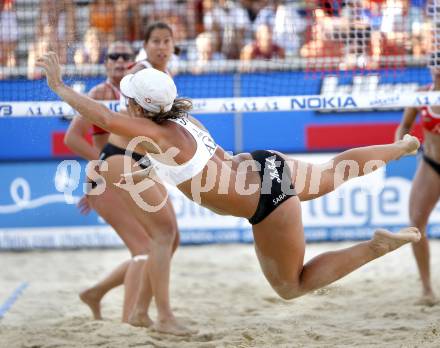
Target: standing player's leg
x,y
425,192
112,208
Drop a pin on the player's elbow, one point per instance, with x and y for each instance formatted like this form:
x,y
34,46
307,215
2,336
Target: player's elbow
x,y
68,139
105,119
110,125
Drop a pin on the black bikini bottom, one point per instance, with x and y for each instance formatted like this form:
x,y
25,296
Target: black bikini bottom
x,y
276,183
434,165
113,150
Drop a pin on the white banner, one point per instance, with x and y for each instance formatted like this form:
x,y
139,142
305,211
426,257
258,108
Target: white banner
x,y
249,104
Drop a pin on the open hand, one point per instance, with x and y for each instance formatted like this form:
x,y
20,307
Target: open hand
x,y
84,205
49,62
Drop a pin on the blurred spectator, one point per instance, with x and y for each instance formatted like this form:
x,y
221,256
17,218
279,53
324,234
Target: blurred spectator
x,y
356,33
320,43
373,11
197,9
394,17
421,29
179,27
162,9
128,21
193,18
263,47
229,21
179,14
266,15
253,7
103,18
422,40
59,15
287,25
331,7
8,33
205,44
92,50
390,34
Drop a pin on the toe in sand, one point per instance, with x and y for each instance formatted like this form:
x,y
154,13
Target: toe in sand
x,y
140,320
428,301
172,328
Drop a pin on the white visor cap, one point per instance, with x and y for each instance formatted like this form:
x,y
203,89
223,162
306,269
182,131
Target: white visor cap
x,y
152,89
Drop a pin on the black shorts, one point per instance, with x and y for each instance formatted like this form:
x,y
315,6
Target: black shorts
x,y
433,164
276,183
113,150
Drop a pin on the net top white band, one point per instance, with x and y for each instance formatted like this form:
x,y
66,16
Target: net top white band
x,y
341,102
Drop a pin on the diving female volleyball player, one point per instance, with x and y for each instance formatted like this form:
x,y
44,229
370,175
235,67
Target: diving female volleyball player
x,y
257,186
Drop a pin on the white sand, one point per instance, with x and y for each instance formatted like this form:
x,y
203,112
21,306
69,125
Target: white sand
x,y
220,291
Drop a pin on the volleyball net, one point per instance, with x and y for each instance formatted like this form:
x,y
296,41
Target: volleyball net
x,y
235,56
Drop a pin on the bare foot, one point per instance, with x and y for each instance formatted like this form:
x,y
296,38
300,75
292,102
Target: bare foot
x,y
140,319
172,327
411,144
92,298
428,299
384,241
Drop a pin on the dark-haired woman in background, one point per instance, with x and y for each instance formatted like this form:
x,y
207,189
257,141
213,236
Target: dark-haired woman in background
x,y
158,50
425,190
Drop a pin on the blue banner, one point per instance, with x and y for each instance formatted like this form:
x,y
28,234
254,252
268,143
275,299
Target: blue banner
x,y
38,209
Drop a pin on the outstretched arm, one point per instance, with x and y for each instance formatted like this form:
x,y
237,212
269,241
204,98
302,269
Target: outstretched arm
x,y
75,139
409,116
94,111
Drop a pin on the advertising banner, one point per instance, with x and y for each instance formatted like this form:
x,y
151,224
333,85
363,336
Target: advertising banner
x,y
38,208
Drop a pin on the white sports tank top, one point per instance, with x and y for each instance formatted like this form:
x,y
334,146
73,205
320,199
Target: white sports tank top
x,y
175,175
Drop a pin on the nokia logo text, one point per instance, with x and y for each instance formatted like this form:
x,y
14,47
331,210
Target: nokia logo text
x,y
320,102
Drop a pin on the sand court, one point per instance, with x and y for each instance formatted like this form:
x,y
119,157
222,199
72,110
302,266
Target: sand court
x,y
220,291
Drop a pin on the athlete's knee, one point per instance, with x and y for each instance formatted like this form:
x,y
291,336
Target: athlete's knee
x,y
176,241
142,247
166,234
288,291
140,257
418,220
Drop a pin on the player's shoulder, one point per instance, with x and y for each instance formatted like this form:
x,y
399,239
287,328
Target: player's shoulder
x,y
139,66
98,91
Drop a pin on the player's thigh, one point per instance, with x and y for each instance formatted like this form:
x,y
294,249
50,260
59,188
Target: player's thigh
x,y
280,244
425,193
